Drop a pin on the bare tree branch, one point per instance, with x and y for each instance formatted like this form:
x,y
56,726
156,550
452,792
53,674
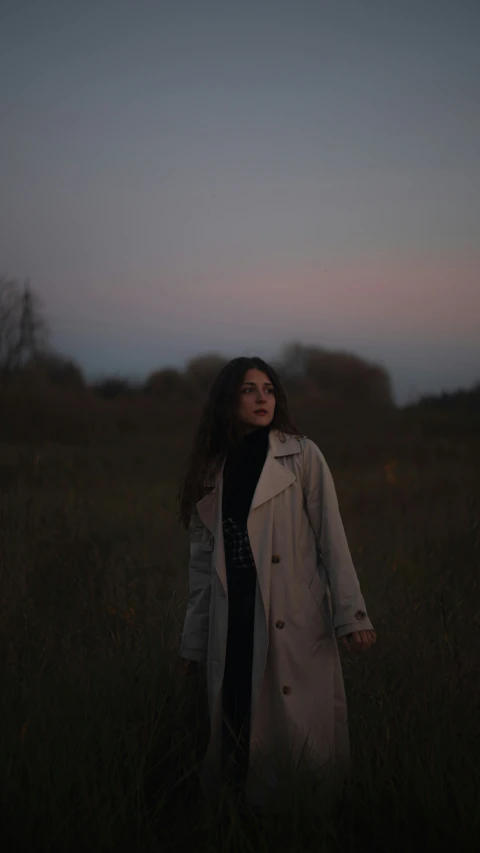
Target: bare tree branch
x,y
23,328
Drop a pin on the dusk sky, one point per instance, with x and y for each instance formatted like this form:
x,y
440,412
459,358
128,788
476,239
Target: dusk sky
x,y
187,177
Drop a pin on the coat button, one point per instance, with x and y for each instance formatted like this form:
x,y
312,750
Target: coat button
x,y
360,615
286,690
275,558
280,624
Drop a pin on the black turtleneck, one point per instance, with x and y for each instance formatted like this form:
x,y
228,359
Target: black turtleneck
x,y
240,478
241,474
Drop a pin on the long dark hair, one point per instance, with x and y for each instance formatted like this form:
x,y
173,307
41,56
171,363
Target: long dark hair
x,y
217,433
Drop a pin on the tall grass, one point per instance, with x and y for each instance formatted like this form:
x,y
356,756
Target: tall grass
x,y
101,737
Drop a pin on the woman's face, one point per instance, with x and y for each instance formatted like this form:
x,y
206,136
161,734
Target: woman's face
x,y
256,405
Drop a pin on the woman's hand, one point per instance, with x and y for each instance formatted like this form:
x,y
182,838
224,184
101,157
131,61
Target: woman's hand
x,y
359,640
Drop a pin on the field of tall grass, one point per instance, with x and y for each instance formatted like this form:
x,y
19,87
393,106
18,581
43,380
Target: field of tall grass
x,y
101,736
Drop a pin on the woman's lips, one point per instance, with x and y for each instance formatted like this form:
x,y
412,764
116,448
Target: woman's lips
x,y
260,412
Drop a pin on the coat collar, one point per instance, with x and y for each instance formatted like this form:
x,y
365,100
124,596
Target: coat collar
x,y
273,479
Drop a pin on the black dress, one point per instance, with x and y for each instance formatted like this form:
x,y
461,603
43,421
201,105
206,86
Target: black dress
x,y
240,479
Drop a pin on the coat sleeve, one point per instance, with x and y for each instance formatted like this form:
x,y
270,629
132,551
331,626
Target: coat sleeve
x,y
349,611
194,638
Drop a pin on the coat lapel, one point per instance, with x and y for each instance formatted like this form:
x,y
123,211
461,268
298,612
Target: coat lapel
x,y
274,478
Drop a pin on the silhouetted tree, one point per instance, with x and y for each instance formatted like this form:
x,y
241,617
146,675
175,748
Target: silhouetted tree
x,y
291,366
169,383
113,387
23,329
204,368
461,400
336,374
293,360
57,370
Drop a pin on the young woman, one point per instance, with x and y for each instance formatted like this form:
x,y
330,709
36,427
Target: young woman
x,y
272,587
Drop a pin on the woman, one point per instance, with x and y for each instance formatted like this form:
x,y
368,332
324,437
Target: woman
x,y
272,587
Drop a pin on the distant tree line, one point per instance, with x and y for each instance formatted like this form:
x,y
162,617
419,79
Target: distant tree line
x,y
330,378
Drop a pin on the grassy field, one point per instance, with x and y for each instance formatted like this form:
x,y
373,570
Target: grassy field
x,y
100,735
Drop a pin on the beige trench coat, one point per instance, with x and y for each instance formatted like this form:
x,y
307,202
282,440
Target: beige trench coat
x,y
307,596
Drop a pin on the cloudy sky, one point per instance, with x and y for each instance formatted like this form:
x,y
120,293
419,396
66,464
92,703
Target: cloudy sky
x,y
192,176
